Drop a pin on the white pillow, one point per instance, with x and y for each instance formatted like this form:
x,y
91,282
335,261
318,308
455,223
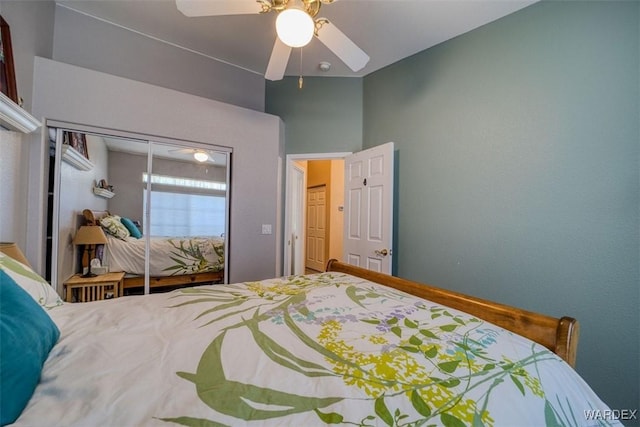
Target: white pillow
x,y
30,281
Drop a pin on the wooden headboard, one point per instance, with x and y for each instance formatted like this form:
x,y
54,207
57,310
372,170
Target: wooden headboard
x,y
558,335
92,217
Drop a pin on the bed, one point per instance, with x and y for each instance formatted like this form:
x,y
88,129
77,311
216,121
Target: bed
x,y
174,261
346,346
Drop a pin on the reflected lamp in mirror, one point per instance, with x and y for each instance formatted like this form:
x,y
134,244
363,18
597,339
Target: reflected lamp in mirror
x,y
201,156
89,236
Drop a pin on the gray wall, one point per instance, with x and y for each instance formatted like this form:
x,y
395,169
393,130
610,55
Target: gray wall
x,y
90,43
518,149
325,116
125,173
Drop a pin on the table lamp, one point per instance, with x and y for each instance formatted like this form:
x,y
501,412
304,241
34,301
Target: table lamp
x,y
89,236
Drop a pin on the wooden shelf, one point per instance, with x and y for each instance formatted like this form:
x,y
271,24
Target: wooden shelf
x,y
75,159
103,192
15,118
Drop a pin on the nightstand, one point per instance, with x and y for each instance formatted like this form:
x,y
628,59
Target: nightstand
x,y
85,289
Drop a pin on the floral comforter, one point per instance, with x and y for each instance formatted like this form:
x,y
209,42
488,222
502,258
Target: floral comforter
x,y
168,256
302,351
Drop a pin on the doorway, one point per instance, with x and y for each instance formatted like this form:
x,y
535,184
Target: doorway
x,y
305,172
366,208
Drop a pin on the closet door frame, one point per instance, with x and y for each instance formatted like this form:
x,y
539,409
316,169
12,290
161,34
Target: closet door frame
x,y
62,126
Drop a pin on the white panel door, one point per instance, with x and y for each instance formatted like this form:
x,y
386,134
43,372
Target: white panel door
x,y
368,233
295,260
316,228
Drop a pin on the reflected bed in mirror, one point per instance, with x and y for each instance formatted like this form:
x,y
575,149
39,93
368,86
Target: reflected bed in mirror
x,y
182,205
174,261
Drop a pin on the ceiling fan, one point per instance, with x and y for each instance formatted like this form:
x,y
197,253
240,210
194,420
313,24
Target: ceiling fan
x,y
296,25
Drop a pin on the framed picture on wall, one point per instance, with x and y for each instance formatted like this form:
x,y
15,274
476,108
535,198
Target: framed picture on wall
x,y
7,70
78,141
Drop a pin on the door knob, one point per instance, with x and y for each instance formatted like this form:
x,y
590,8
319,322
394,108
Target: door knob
x,y
383,252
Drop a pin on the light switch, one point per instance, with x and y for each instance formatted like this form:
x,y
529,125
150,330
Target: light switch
x,y
266,228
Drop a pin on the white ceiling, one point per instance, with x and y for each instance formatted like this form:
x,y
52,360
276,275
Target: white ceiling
x,y
387,30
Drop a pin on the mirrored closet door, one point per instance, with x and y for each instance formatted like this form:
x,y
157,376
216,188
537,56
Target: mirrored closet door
x,y
146,215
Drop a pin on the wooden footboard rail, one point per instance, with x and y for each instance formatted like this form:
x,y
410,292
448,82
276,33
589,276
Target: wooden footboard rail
x,y
558,335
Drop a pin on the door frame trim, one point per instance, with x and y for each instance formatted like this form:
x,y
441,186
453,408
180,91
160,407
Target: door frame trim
x,y
290,163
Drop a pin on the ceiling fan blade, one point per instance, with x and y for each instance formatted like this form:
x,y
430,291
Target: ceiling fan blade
x,y
183,150
217,7
342,46
278,61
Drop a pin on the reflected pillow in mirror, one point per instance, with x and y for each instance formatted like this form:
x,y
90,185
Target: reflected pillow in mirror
x,y
112,225
131,227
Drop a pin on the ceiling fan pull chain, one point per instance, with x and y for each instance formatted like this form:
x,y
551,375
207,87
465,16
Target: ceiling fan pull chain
x,y
300,80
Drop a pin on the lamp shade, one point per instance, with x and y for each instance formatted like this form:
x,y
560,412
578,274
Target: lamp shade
x,y
295,27
11,249
90,235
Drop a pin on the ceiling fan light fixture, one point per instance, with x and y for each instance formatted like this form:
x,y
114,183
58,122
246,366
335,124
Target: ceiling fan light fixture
x,y
295,27
201,156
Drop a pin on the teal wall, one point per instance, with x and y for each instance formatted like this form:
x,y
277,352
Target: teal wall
x,y
518,167
518,178
325,116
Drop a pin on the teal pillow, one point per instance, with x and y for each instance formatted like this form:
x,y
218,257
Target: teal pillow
x,y
27,335
129,225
